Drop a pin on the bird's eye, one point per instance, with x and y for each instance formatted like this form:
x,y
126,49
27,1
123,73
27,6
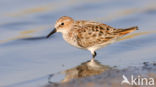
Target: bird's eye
x,y
62,23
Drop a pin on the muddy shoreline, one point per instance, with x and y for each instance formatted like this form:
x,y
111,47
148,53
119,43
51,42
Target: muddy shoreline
x,y
114,77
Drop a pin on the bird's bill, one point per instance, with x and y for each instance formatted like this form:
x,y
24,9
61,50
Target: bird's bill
x,y
52,32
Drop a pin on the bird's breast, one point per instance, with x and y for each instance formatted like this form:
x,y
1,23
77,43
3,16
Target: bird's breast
x,y
71,39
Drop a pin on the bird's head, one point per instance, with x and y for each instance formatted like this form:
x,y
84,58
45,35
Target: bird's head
x,y
63,25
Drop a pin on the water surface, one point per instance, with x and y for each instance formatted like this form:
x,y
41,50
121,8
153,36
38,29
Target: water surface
x,y
25,61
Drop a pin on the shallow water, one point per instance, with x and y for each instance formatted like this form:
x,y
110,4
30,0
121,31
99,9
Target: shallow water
x,y
28,62
110,77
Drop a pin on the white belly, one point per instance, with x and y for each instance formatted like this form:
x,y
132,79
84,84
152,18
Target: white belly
x,y
98,46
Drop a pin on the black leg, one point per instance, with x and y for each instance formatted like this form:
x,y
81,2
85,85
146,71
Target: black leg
x,y
94,54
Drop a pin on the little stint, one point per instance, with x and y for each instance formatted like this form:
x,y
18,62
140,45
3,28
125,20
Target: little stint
x,y
88,35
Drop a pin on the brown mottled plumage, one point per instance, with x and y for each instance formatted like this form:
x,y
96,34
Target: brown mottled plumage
x,y
88,34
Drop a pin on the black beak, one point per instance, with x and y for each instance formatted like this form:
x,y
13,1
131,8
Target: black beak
x,y
52,32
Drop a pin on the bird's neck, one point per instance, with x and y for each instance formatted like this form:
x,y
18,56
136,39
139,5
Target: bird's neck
x,y
66,34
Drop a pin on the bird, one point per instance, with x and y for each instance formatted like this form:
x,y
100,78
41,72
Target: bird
x,y
88,35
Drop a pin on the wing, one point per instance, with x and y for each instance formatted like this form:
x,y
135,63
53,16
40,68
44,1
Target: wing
x,y
93,33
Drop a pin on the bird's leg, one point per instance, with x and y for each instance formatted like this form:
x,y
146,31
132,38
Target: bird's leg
x,y
94,54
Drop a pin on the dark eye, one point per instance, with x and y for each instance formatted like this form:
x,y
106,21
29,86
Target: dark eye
x,y
62,23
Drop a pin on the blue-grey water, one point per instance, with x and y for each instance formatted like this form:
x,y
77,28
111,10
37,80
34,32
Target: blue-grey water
x,y
28,62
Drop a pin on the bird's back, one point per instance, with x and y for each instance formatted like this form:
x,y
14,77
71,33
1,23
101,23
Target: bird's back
x,y
90,34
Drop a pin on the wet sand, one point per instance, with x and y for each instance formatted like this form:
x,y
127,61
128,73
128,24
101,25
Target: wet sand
x,y
109,77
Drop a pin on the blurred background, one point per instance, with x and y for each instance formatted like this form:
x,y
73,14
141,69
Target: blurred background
x,y
27,62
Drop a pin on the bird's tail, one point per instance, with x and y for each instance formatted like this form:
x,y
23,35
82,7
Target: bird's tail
x,y
127,30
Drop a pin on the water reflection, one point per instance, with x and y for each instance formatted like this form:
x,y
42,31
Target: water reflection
x,y
113,77
85,69
34,38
